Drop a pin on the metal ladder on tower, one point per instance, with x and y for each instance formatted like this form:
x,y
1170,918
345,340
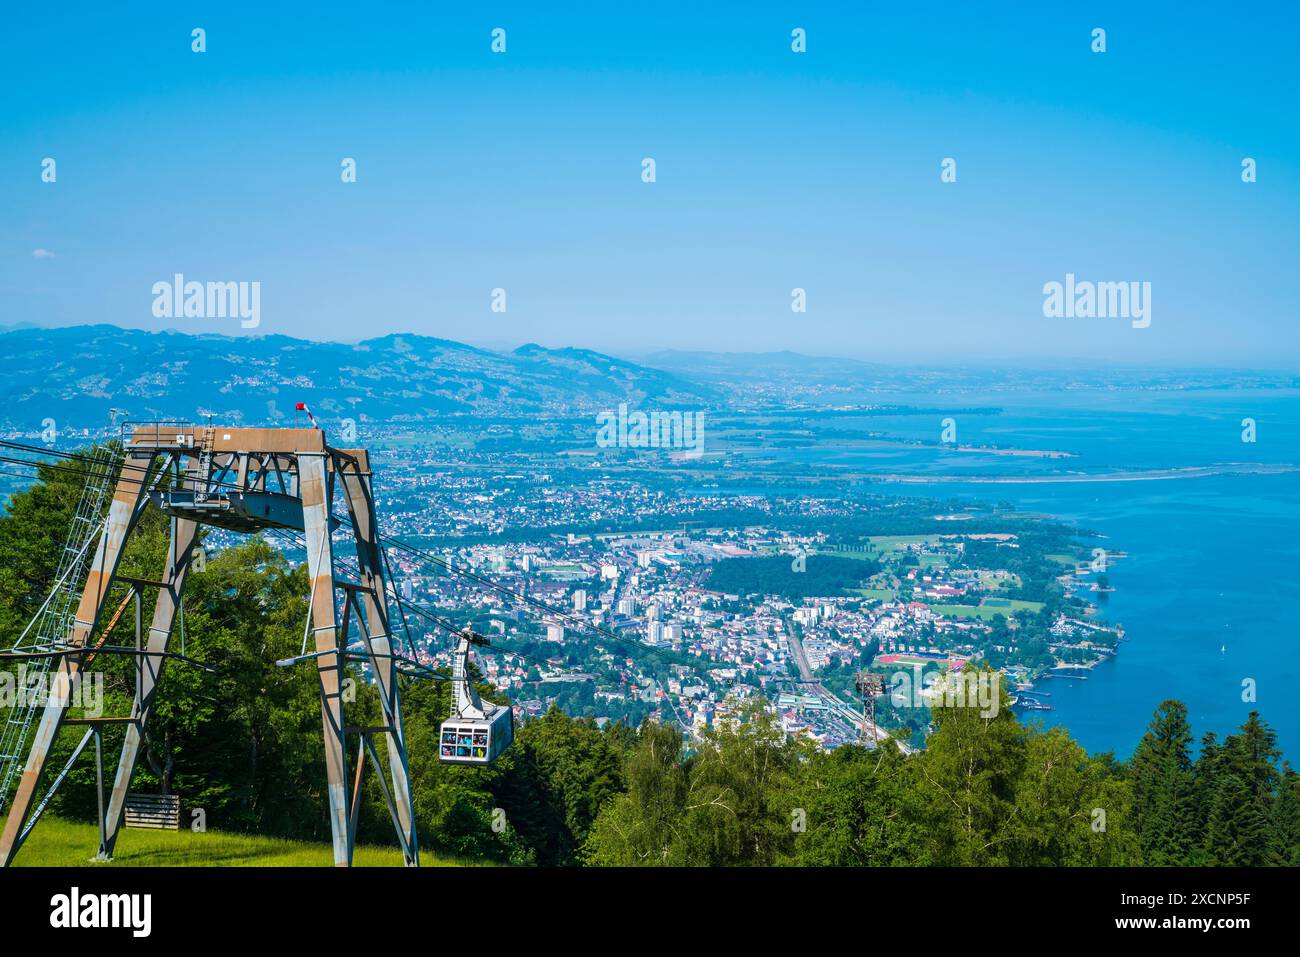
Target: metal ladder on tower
x,y
207,441
52,624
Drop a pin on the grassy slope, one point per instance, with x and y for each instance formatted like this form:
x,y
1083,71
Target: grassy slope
x,y
60,843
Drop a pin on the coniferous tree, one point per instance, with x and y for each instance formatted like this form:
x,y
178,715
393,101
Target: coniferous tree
x,y
1237,830
1164,788
1260,754
1284,821
1241,776
1205,776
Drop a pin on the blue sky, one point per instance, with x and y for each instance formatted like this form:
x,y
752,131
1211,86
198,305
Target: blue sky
x,y
775,170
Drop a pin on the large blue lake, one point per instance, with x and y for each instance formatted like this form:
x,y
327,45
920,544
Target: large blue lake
x,y
1210,592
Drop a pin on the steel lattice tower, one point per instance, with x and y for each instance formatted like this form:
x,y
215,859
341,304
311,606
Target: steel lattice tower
x,y
243,480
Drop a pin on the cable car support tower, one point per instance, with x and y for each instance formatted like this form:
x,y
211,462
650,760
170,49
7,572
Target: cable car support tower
x,y
243,480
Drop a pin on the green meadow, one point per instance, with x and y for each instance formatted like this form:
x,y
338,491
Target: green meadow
x,y
56,842
990,607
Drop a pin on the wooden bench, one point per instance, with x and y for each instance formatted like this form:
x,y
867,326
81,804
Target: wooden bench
x,y
156,811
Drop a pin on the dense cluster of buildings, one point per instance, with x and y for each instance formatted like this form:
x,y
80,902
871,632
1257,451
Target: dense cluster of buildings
x,y
630,625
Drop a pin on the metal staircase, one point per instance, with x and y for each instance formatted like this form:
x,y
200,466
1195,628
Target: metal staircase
x,y
207,439
53,622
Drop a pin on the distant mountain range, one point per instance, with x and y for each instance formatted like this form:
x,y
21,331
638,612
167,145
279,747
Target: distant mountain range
x,y
76,374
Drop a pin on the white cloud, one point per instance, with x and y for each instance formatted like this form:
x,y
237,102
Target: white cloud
x,y
42,254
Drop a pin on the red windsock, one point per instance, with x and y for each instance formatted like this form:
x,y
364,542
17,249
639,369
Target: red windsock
x,y
302,407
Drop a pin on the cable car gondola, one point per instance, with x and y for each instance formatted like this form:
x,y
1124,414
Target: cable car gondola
x,y
477,730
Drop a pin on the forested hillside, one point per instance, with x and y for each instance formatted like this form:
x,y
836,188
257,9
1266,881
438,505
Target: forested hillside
x,y
243,744
76,374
